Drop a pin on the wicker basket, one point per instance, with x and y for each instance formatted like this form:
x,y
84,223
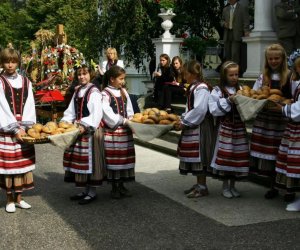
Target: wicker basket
x,y
30,140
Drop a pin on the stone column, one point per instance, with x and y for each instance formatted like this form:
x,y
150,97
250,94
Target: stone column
x,y
261,36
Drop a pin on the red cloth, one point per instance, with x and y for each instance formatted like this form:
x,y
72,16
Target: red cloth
x,y
49,96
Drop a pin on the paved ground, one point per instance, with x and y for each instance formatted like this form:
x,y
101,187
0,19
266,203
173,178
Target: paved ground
x,y
157,217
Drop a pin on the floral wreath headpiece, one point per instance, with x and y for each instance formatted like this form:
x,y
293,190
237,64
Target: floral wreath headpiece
x,y
292,58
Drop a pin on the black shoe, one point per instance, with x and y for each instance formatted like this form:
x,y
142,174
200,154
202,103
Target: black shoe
x,y
289,197
77,197
124,192
87,199
190,190
272,193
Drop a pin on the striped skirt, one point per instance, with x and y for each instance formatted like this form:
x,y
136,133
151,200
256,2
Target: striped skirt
x,y
119,154
288,159
15,157
16,183
78,158
266,135
231,156
98,174
196,147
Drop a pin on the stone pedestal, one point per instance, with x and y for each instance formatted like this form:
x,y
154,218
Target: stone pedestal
x,y
262,36
169,46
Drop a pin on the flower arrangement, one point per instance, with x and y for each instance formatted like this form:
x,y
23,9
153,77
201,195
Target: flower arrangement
x,y
165,4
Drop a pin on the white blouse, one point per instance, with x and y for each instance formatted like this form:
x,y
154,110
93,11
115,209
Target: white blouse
x,y
8,122
94,106
196,115
218,105
259,82
110,118
292,111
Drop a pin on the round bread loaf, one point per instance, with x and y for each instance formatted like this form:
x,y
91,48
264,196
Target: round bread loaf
x,y
163,112
63,125
53,124
156,110
265,88
48,129
254,96
245,87
173,117
275,92
138,115
139,120
56,132
165,122
239,92
275,98
148,121
163,117
154,118
262,96
38,127
33,133
287,101
259,91
252,92
62,130
144,117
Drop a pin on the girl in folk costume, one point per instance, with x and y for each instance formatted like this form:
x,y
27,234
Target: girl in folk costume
x,y
269,126
195,147
17,112
288,162
82,160
231,157
118,139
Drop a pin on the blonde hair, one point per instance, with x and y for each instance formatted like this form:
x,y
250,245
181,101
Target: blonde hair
x,y
9,55
112,50
283,70
295,74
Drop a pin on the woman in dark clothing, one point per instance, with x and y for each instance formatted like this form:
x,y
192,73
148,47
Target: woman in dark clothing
x,y
163,75
176,86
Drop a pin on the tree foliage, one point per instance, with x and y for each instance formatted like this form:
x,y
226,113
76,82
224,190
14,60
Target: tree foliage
x,y
128,25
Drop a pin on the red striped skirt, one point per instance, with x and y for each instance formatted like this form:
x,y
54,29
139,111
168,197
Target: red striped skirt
x,y
288,159
78,158
15,157
232,147
189,145
266,136
119,148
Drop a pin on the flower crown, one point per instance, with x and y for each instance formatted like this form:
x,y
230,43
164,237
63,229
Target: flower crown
x,y
293,57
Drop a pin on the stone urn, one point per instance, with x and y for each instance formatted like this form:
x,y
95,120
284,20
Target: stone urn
x,y
167,23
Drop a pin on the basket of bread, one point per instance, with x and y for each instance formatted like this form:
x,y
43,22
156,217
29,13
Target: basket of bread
x,y
40,133
152,123
250,102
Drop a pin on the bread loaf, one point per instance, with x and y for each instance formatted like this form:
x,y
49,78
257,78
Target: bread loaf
x,y
276,92
33,133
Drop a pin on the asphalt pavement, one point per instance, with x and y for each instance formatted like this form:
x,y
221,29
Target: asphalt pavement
x,y
158,216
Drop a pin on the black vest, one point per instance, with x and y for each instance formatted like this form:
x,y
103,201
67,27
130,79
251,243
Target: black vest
x,y
16,98
80,103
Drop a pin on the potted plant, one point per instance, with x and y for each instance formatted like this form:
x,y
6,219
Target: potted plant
x,y
198,45
165,5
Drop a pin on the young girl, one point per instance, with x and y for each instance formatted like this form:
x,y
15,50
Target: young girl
x,y
288,162
81,159
269,126
17,113
231,157
118,139
162,76
195,146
